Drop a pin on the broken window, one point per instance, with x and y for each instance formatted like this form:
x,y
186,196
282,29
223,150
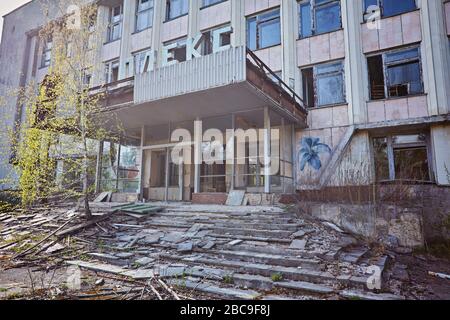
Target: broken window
x,y
179,52
115,23
47,52
264,30
390,8
208,40
402,157
112,71
319,16
324,84
144,14
395,74
142,61
176,8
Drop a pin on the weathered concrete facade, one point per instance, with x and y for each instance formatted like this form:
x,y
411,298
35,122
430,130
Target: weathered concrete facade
x,y
369,112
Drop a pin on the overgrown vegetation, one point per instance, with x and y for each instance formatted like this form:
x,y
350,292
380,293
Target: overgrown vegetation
x,y
56,140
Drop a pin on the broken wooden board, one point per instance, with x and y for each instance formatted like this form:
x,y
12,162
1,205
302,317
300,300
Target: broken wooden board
x,y
235,198
139,208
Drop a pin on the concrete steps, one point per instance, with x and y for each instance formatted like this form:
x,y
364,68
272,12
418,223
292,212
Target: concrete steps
x,y
271,259
290,273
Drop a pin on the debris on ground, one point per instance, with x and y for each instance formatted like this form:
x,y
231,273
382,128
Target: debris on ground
x,y
184,251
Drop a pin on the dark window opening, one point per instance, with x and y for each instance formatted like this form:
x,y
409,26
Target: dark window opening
x,y
308,87
395,74
376,77
402,157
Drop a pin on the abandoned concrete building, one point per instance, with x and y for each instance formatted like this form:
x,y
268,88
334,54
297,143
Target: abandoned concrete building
x,y
357,91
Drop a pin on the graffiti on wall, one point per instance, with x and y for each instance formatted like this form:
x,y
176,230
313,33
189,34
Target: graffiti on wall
x,y
309,154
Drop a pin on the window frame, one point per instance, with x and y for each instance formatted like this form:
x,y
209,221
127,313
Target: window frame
x,y
391,147
313,23
387,65
47,47
259,22
380,4
169,8
138,55
150,10
316,76
112,23
109,68
211,4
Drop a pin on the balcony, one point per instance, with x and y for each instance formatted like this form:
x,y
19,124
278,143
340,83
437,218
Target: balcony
x,y
225,82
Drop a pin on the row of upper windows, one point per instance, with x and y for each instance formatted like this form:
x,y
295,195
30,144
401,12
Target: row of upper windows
x,y
316,17
144,15
391,74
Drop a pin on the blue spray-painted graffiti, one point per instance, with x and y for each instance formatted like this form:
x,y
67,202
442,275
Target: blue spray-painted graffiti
x,y
310,150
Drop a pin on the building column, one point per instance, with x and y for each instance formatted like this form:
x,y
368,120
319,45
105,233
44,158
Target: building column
x,y
294,157
267,160
238,23
181,180
118,165
141,175
231,152
289,33
356,84
166,184
198,138
98,172
436,61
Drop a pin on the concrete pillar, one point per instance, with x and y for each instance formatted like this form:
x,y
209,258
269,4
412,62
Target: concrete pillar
x,y
294,156
128,27
194,9
118,166
440,137
267,138
231,153
141,175
181,181
289,33
238,23
356,84
198,138
158,19
435,57
98,173
166,185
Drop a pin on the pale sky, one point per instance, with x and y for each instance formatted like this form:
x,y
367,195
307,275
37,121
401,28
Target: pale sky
x,y
7,6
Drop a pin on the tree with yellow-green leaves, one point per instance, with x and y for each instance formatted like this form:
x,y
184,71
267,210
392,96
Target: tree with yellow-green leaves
x,y
62,112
